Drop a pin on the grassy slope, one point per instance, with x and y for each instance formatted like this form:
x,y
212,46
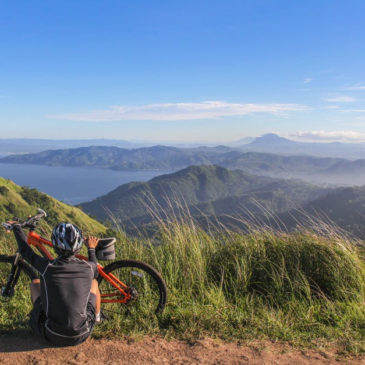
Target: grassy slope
x,y
300,288
22,202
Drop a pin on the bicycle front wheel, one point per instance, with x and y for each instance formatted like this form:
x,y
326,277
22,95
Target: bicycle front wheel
x,y
144,283
6,266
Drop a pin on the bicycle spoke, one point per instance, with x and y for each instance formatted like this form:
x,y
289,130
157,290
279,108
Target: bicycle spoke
x,y
141,286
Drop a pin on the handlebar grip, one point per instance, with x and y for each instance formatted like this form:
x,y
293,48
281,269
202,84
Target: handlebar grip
x,y
7,226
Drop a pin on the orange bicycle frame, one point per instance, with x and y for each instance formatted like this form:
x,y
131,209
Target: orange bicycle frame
x,y
39,242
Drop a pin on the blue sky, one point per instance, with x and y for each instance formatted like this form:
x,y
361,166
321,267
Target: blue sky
x,y
182,70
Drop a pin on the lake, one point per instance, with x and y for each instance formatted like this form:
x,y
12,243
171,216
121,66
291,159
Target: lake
x,y
72,185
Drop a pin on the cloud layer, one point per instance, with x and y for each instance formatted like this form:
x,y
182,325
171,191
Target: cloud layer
x,y
327,136
357,87
340,99
178,111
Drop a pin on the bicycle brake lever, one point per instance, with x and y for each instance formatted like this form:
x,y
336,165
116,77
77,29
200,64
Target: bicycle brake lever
x,y
42,212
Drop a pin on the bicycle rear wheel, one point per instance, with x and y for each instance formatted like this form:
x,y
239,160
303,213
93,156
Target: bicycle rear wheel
x,y
148,289
6,265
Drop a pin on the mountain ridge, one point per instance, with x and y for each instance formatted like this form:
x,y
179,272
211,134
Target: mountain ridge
x,y
313,169
201,189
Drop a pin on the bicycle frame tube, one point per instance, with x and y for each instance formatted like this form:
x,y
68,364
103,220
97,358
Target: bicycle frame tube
x,y
37,241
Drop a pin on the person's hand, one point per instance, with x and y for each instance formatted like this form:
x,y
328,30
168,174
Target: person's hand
x,y
9,225
91,242
12,222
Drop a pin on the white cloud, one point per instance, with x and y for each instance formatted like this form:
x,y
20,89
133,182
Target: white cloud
x,y
340,99
352,110
357,87
328,136
178,111
307,80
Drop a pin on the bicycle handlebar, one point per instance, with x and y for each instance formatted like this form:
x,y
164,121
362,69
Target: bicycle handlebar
x,y
30,222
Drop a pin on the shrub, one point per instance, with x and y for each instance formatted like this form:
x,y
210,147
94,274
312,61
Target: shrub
x,y
4,190
282,267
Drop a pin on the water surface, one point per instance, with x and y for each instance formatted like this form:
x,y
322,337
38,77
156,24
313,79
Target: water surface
x,y
72,185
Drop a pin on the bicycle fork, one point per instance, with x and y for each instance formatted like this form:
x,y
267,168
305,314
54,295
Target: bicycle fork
x,y
8,290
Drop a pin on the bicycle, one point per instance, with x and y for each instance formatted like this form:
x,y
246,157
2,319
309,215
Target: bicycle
x,y
128,286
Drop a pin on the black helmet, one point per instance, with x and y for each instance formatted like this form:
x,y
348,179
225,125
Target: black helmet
x,y
67,239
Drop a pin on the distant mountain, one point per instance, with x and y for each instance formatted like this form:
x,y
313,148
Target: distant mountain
x,y
272,143
148,158
272,139
343,206
317,170
312,169
205,191
268,143
23,145
10,146
242,141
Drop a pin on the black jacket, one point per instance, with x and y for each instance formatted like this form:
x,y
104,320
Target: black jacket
x,y
65,288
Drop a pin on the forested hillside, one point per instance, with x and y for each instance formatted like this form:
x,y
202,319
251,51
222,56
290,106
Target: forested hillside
x,y
203,191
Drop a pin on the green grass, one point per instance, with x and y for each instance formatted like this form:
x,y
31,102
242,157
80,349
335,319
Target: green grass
x,y
302,288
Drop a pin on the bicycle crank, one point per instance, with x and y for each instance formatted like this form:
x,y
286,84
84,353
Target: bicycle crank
x,y
132,291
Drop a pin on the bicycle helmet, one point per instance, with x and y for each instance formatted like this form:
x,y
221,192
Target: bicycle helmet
x,y
67,239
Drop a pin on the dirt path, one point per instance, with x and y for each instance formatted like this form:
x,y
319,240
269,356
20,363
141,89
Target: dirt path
x,y
22,350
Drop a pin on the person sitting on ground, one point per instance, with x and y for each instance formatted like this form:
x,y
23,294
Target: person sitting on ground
x,y
66,299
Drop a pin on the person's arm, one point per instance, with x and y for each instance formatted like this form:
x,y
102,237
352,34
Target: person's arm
x,y
91,243
38,262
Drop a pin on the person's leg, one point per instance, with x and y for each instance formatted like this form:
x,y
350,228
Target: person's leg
x,y
37,317
35,290
95,290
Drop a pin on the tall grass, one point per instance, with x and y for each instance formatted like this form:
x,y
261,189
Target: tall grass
x,y
300,287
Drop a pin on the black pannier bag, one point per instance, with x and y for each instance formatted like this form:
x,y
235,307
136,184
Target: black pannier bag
x,y
105,250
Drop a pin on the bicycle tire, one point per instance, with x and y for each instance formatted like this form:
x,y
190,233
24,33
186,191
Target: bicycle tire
x,y
10,260
142,277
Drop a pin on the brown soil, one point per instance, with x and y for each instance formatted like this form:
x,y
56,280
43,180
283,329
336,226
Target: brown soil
x,y
28,350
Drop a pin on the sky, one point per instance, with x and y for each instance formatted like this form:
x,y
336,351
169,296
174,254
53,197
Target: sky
x,y
192,70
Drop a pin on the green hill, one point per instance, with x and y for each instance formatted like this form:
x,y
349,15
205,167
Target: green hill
x,y
22,202
204,190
